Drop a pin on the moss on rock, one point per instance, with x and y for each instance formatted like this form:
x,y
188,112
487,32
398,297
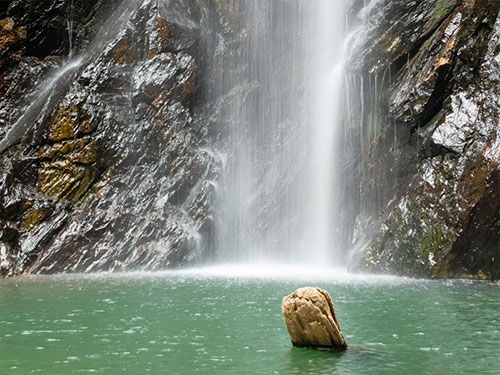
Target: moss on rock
x,y
408,242
441,10
68,168
34,217
65,180
62,125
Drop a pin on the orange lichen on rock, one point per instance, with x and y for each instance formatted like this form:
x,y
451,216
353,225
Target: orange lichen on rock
x,y
159,38
188,87
122,51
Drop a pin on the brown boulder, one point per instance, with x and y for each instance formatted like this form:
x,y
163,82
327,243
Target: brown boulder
x,y
311,321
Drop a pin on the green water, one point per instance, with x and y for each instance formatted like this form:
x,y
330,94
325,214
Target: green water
x,y
216,323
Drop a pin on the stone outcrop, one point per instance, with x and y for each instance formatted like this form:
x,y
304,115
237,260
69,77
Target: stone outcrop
x,y
58,27
117,173
311,321
430,139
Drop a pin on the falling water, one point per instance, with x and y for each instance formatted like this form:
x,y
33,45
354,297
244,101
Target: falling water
x,y
70,20
281,81
363,116
278,194
326,93
47,97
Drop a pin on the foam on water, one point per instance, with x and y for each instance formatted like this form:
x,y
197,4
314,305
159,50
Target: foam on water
x,y
293,272
267,272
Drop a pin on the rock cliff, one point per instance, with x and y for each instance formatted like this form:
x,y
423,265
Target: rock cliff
x,y
111,169
428,180
111,113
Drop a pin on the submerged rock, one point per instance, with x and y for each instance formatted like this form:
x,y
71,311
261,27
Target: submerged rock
x,y
311,321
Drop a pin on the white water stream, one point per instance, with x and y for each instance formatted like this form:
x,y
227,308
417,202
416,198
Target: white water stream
x,y
279,194
327,92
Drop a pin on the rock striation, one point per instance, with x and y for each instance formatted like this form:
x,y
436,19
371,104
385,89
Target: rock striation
x,y
311,321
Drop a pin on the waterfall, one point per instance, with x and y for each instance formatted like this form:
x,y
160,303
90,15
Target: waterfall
x,y
70,20
273,71
48,95
326,93
278,195
362,116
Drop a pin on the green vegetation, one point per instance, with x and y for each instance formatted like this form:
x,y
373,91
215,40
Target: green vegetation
x,y
410,241
441,10
34,217
432,241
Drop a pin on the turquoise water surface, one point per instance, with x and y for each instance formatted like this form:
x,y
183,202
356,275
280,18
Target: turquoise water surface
x,y
227,320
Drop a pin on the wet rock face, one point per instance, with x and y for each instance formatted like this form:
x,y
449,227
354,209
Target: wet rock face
x,y
475,252
397,29
117,174
35,38
12,43
56,26
311,321
440,115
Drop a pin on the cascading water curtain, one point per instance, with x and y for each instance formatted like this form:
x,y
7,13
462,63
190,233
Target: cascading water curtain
x,y
277,200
